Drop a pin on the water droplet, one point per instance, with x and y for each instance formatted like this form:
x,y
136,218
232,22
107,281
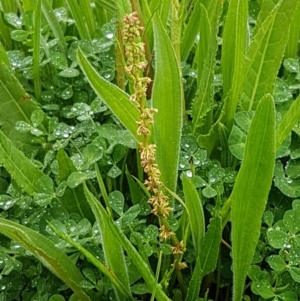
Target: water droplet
x,y
189,173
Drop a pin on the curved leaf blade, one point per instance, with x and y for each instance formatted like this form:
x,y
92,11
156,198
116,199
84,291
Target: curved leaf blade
x,y
25,173
196,214
233,55
116,235
250,191
13,99
265,61
46,252
116,99
290,118
115,260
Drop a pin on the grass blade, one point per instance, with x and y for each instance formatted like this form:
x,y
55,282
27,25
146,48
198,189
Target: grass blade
x,y
116,99
196,214
250,191
25,173
290,118
81,22
115,260
166,97
86,8
46,252
36,50
54,25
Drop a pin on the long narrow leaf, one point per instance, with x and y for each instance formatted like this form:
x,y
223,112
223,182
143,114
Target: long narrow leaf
x,y
54,25
233,55
250,191
211,244
86,8
97,263
81,22
36,50
166,97
196,214
191,32
22,170
46,252
116,99
289,120
292,45
116,235
114,259
265,61
13,99
195,283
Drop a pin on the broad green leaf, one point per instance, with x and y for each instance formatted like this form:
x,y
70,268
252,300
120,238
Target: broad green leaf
x,y
116,259
264,55
289,120
196,214
191,32
54,25
114,235
195,283
74,198
22,170
46,252
250,191
233,55
166,97
14,99
81,23
116,99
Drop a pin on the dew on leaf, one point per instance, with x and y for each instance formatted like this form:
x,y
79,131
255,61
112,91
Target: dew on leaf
x,y
291,65
108,30
114,172
22,127
116,201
